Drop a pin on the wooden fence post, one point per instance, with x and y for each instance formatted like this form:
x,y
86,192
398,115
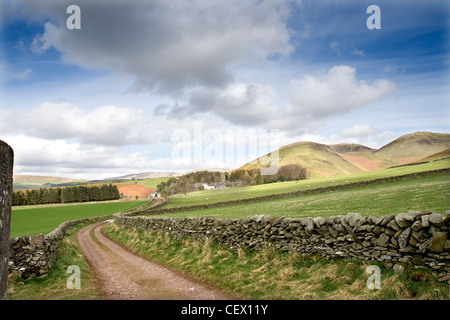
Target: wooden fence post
x,y
6,182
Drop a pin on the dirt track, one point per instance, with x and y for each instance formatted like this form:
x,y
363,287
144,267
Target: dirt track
x,y
126,276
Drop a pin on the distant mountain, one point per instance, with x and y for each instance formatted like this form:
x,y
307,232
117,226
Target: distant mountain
x,y
21,182
329,160
145,175
152,175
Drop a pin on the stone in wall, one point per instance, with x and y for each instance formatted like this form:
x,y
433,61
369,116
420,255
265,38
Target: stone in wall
x,y
6,176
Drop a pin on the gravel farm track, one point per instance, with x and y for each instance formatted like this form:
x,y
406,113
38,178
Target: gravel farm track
x,y
124,275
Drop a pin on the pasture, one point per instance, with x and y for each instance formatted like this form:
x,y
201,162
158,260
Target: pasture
x,y
219,195
36,220
425,193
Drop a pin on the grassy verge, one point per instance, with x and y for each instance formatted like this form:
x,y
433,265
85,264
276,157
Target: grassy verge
x,y
43,220
425,193
54,285
274,275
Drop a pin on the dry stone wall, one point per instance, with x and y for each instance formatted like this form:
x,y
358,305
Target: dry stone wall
x,y
35,255
402,241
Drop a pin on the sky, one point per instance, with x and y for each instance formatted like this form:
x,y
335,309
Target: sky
x,y
181,85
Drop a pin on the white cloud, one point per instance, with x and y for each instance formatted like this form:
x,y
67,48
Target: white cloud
x,y
144,40
358,130
239,103
334,45
35,155
105,125
314,98
23,75
357,52
43,42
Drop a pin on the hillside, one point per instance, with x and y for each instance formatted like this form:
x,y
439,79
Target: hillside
x,y
21,182
329,160
319,159
439,155
414,147
362,157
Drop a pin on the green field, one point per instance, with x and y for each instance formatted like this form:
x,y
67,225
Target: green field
x,y
425,193
212,196
43,220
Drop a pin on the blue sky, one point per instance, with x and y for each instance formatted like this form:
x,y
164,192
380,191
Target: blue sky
x,y
113,97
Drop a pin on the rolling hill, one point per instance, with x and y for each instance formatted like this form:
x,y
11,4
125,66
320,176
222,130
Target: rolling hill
x,y
415,147
329,160
22,182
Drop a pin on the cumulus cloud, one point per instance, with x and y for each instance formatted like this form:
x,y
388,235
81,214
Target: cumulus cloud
x,y
106,125
239,103
144,41
72,159
314,98
63,158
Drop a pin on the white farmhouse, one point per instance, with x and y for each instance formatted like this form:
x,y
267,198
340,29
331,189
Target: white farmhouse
x,y
208,187
154,194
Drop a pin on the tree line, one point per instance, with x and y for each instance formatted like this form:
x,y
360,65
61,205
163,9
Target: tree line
x,y
65,195
190,182
289,172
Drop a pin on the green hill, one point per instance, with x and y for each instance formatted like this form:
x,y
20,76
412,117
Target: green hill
x,y
415,147
330,160
320,159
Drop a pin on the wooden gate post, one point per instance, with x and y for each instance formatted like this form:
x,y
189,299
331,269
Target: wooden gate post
x,y
6,181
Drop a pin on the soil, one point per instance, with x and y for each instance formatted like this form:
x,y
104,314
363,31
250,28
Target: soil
x,y
124,275
134,189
